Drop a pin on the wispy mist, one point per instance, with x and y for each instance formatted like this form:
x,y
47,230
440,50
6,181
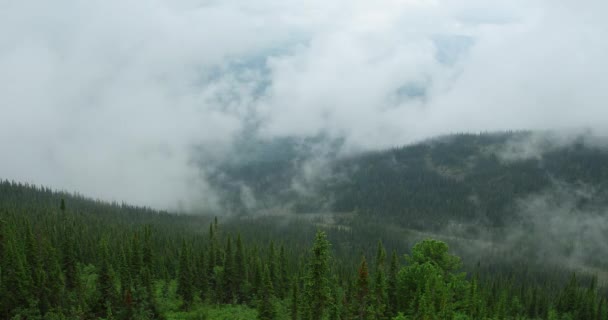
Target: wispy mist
x,y
123,99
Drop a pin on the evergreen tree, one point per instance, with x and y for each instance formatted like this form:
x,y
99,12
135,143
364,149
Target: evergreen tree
x,y
16,279
266,309
392,303
240,272
427,305
229,273
294,309
362,291
69,257
184,279
272,265
380,285
201,275
105,283
282,275
568,300
316,288
51,286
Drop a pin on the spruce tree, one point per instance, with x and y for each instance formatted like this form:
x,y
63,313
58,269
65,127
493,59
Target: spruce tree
x,y
105,282
229,273
184,279
282,276
201,275
392,303
16,279
69,257
380,285
316,289
362,295
272,265
240,272
51,287
266,309
293,307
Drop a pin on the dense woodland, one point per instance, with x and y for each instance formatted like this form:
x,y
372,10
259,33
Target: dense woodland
x,y
67,257
468,178
358,244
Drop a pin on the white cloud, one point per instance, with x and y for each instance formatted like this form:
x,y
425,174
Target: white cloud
x,y
111,97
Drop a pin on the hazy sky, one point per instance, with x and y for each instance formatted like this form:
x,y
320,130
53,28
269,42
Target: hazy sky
x,y
111,97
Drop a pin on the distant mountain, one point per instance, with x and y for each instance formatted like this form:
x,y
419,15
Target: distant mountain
x,y
462,178
522,202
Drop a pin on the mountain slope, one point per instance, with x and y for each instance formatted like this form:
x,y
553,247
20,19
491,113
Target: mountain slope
x,y
459,178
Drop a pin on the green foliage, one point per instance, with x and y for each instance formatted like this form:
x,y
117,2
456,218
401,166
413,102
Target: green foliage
x,y
105,261
266,309
362,292
185,279
316,285
436,253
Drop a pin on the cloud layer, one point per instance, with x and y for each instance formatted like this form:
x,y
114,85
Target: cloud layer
x,y
114,98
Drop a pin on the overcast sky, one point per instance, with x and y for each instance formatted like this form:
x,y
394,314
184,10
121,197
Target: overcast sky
x,y
110,97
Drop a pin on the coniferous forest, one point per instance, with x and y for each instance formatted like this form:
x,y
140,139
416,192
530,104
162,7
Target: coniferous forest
x,y
64,256
303,160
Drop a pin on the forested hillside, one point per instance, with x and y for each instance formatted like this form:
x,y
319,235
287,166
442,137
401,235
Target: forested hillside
x,y
458,178
67,257
353,238
535,197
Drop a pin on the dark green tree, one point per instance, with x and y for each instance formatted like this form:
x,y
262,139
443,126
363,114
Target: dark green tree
x,y
240,272
266,309
362,292
229,273
316,284
105,283
293,307
392,303
184,279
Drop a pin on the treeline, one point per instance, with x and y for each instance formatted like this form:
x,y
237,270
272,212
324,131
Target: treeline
x,y
58,262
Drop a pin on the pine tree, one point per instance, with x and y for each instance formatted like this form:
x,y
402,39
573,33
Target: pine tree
x,y
147,272
33,262
272,265
105,283
294,300
473,303
392,303
229,273
568,299
51,286
16,279
184,279
335,309
201,275
256,272
240,273
380,286
266,309
316,287
282,276
69,257
362,291
500,310
427,305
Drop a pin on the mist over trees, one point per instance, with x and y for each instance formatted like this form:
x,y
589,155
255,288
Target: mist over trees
x,y
459,227
67,257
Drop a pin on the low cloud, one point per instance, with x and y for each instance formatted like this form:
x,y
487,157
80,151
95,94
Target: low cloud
x,y
533,145
123,100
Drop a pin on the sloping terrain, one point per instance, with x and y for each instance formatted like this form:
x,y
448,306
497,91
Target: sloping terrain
x,y
458,178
